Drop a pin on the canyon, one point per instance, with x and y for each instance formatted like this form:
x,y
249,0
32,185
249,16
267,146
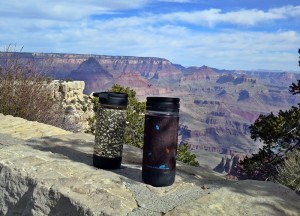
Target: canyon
x,y
217,106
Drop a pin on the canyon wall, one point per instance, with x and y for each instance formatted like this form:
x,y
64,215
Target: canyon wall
x,y
216,105
63,64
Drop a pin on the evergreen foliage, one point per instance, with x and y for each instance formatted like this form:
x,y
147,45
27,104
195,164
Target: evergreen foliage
x,y
185,156
134,131
295,88
280,135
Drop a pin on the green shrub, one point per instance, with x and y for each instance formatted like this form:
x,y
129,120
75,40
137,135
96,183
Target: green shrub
x,y
185,156
134,130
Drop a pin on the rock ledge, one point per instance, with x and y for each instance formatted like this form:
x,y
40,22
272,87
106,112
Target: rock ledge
x,y
51,173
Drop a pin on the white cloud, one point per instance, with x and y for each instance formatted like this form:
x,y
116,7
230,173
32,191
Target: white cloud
x,y
76,9
158,35
246,17
225,49
65,9
287,11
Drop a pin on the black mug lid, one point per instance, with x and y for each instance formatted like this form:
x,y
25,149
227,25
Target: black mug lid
x,y
112,98
164,104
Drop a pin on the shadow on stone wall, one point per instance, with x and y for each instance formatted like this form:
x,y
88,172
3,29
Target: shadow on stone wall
x,y
79,148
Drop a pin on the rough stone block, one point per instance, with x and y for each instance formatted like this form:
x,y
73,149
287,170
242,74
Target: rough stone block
x,y
23,129
54,175
43,183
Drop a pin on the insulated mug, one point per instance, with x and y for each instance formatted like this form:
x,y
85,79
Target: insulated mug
x,y
160,141
110,125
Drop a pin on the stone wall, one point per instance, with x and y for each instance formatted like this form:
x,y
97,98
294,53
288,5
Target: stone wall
x,y
67,90
77,106
47,171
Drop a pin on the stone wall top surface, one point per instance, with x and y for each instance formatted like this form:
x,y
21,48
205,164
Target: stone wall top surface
x,y
23,129
53,175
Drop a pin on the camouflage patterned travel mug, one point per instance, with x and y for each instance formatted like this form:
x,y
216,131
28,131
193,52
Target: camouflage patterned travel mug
x,y
110,125
160,141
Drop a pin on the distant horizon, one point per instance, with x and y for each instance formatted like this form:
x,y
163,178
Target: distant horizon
x,y
175,63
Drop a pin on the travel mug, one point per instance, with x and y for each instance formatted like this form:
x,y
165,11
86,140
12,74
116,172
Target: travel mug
x,y
160,141
110,125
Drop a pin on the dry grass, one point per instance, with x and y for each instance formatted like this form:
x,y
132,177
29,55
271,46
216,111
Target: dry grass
x,y
23,91
289,171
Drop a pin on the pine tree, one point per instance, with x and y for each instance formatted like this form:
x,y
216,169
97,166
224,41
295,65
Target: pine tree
x,y
280,135
185,156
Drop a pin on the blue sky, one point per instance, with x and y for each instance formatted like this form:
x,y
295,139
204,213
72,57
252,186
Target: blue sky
x,y
226,34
